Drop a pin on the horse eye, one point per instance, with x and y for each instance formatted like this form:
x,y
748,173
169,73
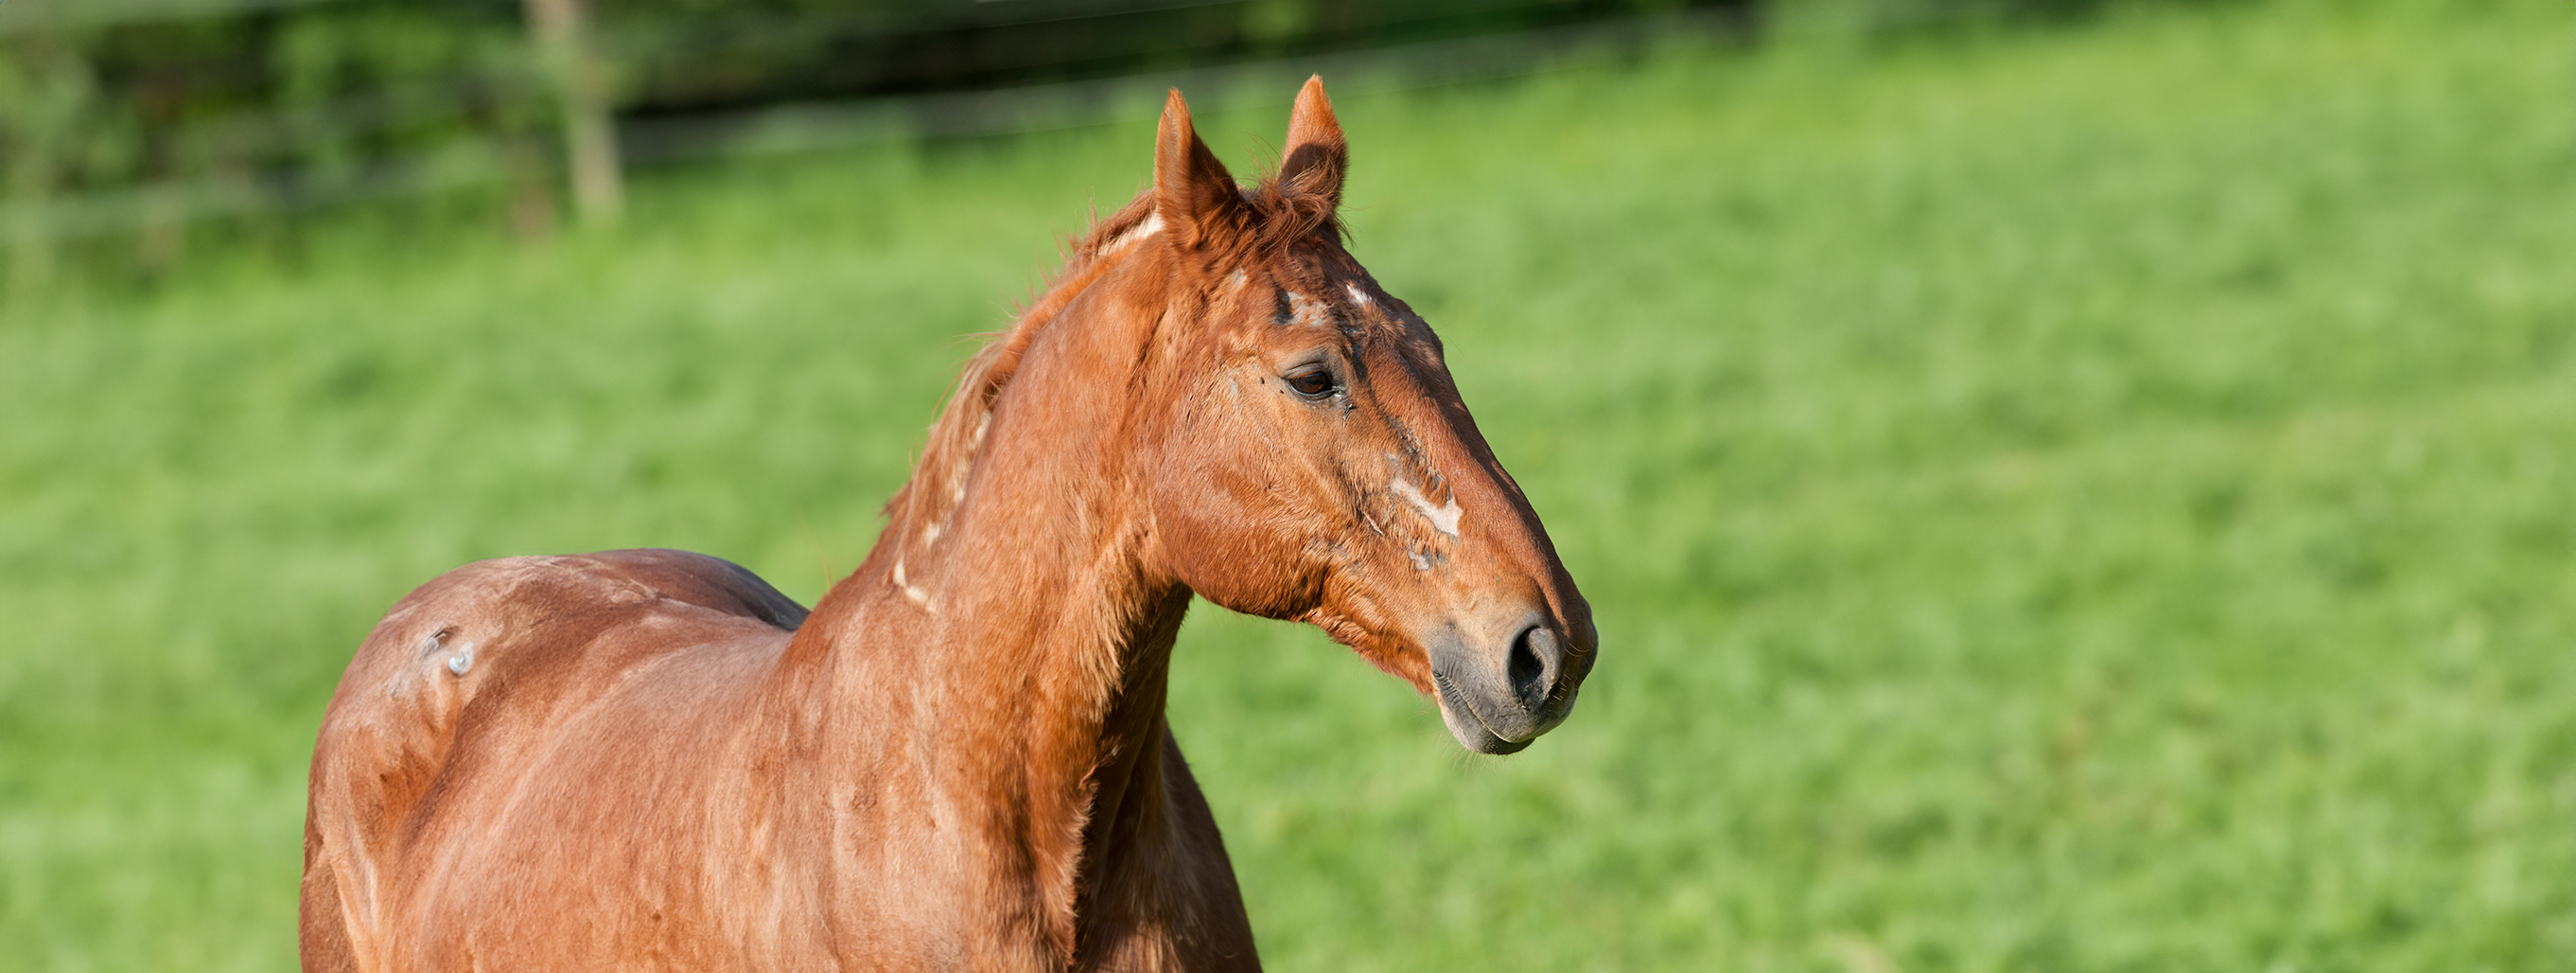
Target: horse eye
x,y
1313,384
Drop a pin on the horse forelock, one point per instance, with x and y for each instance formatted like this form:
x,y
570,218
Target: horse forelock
x,y
1295,209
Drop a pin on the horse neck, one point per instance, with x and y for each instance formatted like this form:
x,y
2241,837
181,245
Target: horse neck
x,y
1033,634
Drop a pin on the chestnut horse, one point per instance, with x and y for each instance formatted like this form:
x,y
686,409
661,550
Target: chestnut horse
x,y
958,760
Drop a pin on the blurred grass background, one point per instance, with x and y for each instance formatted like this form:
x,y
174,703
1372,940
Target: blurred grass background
x,y
2084,497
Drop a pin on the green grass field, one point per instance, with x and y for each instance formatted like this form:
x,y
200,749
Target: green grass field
x,y
2099,497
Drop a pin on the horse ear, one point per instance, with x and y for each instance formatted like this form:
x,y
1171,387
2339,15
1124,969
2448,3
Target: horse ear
x,y
1193,193
1316,156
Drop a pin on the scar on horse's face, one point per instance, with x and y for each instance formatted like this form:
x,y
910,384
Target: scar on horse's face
x,y
1329,471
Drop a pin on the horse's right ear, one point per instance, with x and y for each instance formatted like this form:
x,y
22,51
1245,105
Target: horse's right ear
x,y
1197,199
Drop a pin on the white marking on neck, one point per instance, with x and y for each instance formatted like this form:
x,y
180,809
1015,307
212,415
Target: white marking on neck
x,y
913,591
964,465
1444,517
462,660
1152,224
1235,281
930,534
1358,295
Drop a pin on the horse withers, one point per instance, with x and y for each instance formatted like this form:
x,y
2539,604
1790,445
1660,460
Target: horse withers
x,y
958,760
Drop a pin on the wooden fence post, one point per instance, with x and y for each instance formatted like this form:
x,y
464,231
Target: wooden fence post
x,y
43,92
581,88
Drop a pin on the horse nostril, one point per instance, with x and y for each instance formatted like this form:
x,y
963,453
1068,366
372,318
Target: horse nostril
x,y
1532,666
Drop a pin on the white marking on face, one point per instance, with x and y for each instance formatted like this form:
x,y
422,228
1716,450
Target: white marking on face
x,y
1308,312
462,660
1444,517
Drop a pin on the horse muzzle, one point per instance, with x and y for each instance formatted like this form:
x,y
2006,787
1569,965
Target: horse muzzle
x,y
1499,692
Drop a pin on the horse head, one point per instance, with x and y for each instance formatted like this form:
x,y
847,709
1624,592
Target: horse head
x,y
1315,461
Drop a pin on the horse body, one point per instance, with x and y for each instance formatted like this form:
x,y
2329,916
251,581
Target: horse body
x,y
958,760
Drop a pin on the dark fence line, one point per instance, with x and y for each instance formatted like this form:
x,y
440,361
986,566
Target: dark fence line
x,y
141,117
20,15
808,126
811,126
130,114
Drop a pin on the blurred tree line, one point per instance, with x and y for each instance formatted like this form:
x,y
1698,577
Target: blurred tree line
x,y
136,115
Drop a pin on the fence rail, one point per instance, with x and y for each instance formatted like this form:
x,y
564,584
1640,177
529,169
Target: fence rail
x,y
328,101
324,103
810,126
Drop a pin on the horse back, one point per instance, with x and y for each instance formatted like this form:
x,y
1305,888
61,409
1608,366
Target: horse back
x,y
471,671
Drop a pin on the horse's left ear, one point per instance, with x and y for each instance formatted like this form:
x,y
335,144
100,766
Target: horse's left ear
x,y
1316,155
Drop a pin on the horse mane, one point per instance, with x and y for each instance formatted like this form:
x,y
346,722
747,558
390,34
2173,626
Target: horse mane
x,y
1281,213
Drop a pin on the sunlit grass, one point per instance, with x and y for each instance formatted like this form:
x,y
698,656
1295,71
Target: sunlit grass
x,y
2094,498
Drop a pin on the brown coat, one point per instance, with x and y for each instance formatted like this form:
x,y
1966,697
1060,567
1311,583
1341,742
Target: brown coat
x,y
653,760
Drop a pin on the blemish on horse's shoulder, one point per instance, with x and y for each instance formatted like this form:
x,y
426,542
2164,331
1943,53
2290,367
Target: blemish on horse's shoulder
x,y
436,642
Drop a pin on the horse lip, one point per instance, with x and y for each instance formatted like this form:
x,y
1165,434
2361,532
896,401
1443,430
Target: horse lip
x,y
1472,732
